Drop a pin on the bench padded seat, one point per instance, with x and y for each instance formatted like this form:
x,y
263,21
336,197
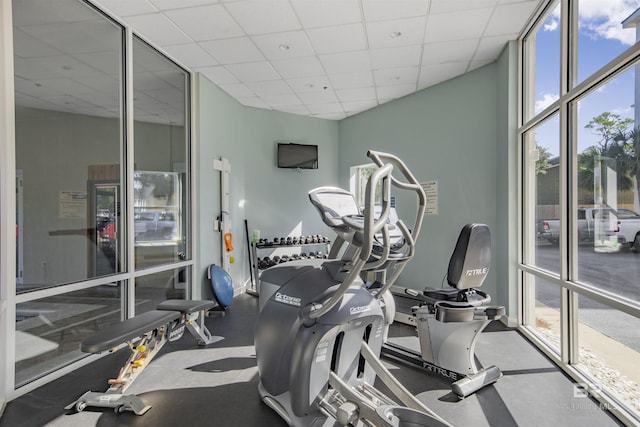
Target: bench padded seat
x,y
127,330
186,306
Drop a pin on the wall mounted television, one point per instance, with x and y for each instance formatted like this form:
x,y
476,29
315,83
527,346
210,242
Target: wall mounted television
x,y
297,156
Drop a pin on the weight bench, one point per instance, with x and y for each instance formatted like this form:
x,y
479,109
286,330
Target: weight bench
x,y
150,331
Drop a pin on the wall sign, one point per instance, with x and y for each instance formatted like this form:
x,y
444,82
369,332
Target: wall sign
x,y
431,191
73,204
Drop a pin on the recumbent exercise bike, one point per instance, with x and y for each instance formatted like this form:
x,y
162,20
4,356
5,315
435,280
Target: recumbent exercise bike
x,y
449,321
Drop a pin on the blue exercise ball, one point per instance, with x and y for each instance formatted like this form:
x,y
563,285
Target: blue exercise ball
x,y
222,285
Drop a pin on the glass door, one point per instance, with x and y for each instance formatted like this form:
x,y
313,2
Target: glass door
x,y
106,214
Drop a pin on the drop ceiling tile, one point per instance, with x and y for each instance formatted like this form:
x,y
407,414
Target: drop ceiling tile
x,y
190,55
359,94
27,46
329,108
233,51
170,78
100,84
340,38
346,62
376,10
352,80
386,93
330,116
107,62
127,7
444,6
460,25
104,100
55,87
178,4
218,75
295,109
357,106
237,90
50,67
253,71
158,29
319,97
35,12
299,67
396,76
310,84
406,56
271,87
435,74
264,16
489,48
78,37
327,13
456,51
405,32
24,100
281,100
206,23
281,46
510,18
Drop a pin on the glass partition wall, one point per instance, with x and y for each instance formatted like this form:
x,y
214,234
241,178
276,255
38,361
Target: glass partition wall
x,y
580,230
102,191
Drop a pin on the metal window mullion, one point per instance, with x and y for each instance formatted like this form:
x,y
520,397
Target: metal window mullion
x,y
568,184
195,185
129,288
8,204
189,233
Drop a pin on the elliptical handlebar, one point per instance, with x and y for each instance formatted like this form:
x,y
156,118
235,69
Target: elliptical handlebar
x,y
372,226
411,183
368,227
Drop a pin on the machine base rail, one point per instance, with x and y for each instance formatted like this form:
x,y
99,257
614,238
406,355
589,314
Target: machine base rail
x,y
462,385
119,402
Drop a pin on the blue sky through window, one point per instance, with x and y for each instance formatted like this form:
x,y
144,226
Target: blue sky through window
x,y
601,38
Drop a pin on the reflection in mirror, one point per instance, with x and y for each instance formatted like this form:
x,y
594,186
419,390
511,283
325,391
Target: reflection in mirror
x,y
68,120
160,153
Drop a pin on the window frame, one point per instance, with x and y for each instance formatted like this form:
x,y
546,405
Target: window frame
x,y
564,106
8,297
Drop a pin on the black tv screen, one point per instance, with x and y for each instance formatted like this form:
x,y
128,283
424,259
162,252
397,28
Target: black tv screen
x,y
297,156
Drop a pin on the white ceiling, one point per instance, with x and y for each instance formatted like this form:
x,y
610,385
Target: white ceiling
x,y
324,58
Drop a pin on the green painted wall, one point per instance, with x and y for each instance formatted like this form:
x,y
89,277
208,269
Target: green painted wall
x,y
505,235
460,133
447,133
272,200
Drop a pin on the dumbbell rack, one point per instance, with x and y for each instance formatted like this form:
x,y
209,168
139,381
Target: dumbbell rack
x,y
254,289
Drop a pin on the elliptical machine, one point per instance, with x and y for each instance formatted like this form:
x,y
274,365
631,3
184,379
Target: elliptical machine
x,y
320,331
450,320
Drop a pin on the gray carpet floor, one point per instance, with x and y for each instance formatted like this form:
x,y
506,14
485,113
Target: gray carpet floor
x,y
217,385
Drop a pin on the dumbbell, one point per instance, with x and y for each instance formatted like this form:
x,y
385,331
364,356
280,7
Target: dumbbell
x,y
263,263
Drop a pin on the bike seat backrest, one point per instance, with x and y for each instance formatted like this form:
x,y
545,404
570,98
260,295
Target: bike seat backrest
x,y
334,204
471,258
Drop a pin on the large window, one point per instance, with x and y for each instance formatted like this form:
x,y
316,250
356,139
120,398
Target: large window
x,y
580,148
102,192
